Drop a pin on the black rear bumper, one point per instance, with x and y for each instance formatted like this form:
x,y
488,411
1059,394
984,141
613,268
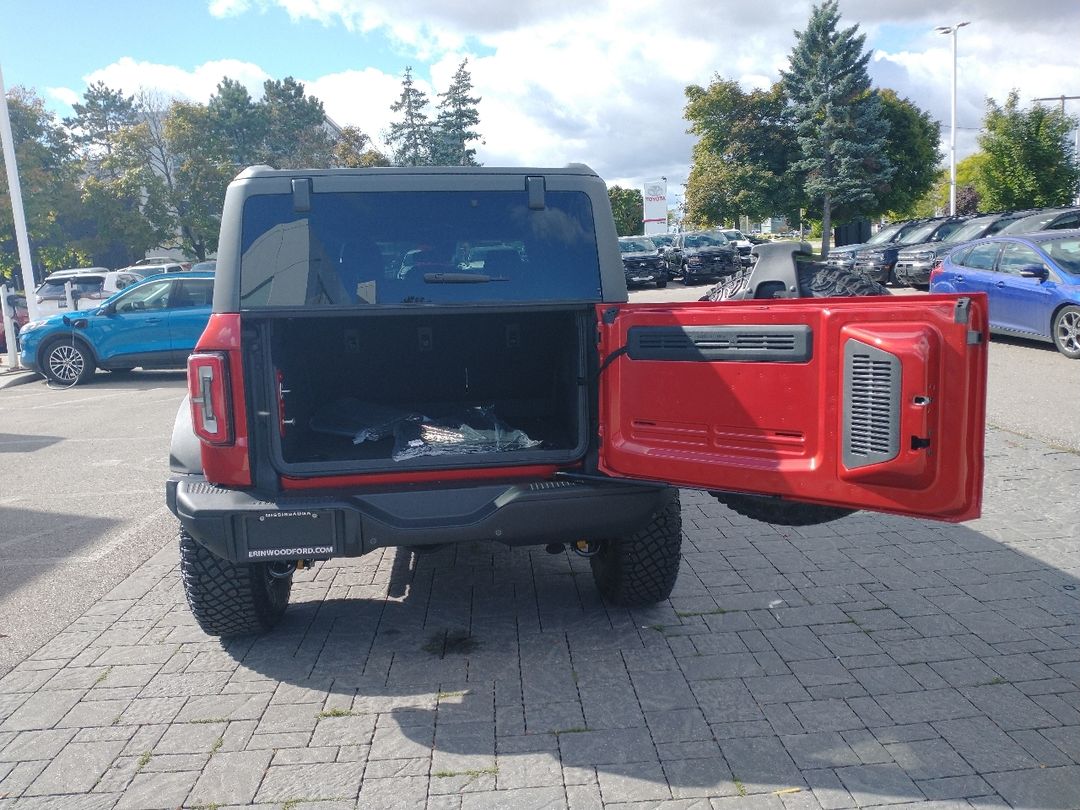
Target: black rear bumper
x,y
242,527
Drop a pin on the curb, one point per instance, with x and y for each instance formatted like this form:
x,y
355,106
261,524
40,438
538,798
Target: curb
x,y
16,377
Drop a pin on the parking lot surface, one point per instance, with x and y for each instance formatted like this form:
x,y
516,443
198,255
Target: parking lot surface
x,y
869,662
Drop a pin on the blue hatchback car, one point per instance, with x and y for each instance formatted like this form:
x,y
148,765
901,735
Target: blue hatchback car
x,y
152,324
1032,280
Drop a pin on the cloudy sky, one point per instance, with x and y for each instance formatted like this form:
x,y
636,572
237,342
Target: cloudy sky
x,y
561,80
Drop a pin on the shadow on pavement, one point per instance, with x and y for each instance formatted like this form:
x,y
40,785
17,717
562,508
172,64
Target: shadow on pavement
x,y
23,443
872,660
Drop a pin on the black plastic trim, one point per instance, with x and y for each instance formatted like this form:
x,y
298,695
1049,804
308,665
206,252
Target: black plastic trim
x,y
349,523
748,343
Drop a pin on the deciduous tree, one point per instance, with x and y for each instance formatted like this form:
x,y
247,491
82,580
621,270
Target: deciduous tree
x,y
353,150
48,171
1030,160
628,208
743,157
913,149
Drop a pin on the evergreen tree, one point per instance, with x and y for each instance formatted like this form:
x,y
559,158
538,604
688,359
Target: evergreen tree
x,y
97,121
457,115
235,119
296,134
411,137
839,121
1030,161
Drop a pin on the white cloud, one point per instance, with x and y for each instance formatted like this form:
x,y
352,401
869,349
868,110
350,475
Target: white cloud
x,y
359,98
229,8
65,95
196,85
601,82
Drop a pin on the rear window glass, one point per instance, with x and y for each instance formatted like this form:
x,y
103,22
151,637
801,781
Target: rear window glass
x,y
982,256
82,284
1065,253
417,247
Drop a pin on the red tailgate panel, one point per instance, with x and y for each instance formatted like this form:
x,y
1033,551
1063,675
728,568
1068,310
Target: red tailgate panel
x,y
870,403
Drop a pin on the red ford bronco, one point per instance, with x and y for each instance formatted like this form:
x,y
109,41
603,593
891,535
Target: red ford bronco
x,y
416,357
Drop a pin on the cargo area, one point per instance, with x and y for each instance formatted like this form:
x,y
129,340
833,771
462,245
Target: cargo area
x,y
387,391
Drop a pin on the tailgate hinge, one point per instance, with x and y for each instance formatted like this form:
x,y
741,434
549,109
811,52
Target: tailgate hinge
x,y
609,315
962,310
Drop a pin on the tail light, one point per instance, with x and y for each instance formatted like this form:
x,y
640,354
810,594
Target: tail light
x,y
211,402
936,269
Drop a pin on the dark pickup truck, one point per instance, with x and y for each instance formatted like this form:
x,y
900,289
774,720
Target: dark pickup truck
x,y
370,377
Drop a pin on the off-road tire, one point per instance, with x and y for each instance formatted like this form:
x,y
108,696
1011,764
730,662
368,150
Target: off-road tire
x,y
641,568
815,279
67,361
778,511
230,599
818,280
661,282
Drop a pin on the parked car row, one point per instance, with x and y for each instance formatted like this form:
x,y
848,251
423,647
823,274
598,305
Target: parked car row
x,y
91,285
904,252
153,323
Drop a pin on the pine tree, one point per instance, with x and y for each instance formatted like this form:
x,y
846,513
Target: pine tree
x,y
97,120
839,121
237,120
455,121
411,137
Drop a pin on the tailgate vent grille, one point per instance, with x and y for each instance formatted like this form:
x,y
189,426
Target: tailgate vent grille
x,y
871,405
749,343
766,341
660,341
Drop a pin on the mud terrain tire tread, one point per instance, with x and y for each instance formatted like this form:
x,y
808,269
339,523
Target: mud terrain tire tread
x,y
641,568
229,599
817,280
780,512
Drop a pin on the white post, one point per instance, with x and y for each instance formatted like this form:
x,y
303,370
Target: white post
x,y
9,327
15,190
952,136
69,294
952,29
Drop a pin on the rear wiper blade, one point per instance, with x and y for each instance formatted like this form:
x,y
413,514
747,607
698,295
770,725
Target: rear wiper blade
x,y
461,278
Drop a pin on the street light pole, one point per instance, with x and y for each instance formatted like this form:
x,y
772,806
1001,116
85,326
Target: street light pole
x,y
952,29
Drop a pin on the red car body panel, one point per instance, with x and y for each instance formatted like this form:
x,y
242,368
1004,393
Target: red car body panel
x,y
776,427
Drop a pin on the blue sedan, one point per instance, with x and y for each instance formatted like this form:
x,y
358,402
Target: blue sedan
x,y
152,324
1032,280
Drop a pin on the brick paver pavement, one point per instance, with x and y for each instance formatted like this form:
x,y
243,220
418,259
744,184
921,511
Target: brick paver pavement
x,y
868,662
